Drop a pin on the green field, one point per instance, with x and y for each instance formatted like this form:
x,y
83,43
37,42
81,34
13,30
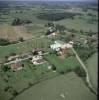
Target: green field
x,y
22,80
92,65
70,85
66,64
78,24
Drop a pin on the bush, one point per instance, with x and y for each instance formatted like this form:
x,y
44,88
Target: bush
x,y
53,67
80,72
4,42
21,39
5,68
15,93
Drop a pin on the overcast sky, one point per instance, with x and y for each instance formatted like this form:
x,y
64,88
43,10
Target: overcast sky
x,y
48,0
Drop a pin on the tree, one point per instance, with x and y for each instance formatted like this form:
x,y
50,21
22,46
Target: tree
x,y
61,28
50,24
62,72
15,93
4,42
80,72
16,21
5,68
13,54
53,67
21,39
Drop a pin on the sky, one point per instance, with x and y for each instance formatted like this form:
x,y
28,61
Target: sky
x,y
52,0
48,0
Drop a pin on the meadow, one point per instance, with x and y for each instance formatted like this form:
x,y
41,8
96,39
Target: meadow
x,y
63,64
64,87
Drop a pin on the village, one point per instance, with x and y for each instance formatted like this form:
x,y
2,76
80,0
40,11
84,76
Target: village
x,y
36,55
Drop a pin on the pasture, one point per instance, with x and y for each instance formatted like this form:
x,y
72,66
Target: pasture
x,y
64,87
63,65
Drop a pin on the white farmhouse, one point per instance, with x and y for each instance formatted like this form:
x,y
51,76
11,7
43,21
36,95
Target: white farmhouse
x,y
60,45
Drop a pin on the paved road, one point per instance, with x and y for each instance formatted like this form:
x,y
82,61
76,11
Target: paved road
x,y
84,67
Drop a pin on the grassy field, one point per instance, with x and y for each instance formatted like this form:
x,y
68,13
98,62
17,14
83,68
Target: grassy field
x,y
23,79
78,24
70,85
65,64
92,65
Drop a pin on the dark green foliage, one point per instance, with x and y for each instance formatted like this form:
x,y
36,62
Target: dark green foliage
x,y
15,93
13,54
6,88
5,68
80,72
49,24
18,21
21,39
84,52
56,16
4,42
53,67
61,28
62,72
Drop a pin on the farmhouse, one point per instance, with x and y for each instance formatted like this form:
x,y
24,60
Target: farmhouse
x,y
60,45
13,57
37,59
16,66
51,32
37,51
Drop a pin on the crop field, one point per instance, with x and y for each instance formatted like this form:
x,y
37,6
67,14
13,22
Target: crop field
x,y
64,87
92,65
13,33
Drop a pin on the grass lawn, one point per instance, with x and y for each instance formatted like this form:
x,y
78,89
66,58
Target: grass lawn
x,y
68,85
63,64
92,66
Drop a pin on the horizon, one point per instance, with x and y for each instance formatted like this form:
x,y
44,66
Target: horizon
x,y
56,0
